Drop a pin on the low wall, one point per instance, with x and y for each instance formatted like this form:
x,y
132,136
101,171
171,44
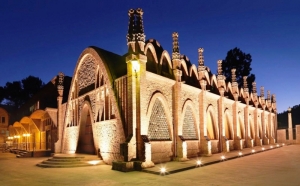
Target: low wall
x,y
281,136
192,148
161,151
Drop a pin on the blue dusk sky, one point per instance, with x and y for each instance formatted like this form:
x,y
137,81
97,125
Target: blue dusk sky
x,y
42,38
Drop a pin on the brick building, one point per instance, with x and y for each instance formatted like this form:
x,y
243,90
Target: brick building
x,y
152,106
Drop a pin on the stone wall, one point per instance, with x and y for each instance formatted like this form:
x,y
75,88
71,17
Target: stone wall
x,y
281,136
298,134
192,148
161,151
108,137
71,135
214,146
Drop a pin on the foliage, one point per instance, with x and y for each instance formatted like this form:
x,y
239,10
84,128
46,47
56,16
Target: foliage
x,y
282,118
242,63
16,93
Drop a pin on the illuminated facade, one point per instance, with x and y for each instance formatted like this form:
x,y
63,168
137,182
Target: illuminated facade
x,y
150,106
33,127
4,120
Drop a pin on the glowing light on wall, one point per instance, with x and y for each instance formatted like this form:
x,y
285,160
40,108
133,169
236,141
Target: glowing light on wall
x,y
135,65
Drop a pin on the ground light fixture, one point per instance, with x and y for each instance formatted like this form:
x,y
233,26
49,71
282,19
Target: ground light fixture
x,y
240,153
163,170
94,162
277,145
271,146
223,158
263,148
198,163
253,151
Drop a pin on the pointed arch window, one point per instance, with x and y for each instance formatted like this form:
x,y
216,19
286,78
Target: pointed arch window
x,y
158,125
188,127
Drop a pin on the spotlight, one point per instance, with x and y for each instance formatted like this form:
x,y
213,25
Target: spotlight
x,y
277,145
94,162
198,163
240,153
271,147
283,144
163,171
253,151
223,158
263,148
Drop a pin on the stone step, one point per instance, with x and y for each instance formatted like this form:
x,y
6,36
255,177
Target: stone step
x,y
65,161
60,162
24,154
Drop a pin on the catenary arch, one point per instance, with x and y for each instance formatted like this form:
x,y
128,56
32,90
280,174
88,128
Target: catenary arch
x,y
188,125
158,102
104,67
108,71
211,126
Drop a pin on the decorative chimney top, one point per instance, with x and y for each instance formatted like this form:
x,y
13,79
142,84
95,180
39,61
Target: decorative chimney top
x,y
273,98
60,84
262,94
201,66
233,76
175,53
135,26
220,72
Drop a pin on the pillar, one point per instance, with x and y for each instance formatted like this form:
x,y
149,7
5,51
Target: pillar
x,y
290,123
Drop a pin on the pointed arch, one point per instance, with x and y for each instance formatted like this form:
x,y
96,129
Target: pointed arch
x,y
240,127
159,127
152,62
212,129
184,67
165,65
227,125
193,69
85,142
188,126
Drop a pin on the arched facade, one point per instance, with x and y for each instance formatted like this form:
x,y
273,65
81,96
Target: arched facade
x,y
92,108
152,106
4,120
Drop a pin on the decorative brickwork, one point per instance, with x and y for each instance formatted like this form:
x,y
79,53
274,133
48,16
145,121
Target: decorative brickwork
x,y
158,126
189,131
86,73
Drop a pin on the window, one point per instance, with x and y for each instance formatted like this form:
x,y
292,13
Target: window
x,y
3,120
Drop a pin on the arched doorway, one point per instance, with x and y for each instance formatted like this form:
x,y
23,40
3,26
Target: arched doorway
x,y
86,141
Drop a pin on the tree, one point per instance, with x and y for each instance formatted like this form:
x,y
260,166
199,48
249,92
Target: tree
x,y
16,93
31,85
1,94
242,63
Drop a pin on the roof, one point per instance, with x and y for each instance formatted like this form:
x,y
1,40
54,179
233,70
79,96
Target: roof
x,y
116,64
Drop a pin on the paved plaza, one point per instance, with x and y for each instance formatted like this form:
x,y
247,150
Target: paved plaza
x,y
280,166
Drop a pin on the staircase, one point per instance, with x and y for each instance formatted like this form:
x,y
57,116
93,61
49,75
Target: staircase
x,y
71,160
23,154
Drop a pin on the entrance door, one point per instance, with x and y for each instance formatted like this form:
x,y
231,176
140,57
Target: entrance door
x,y
86,141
